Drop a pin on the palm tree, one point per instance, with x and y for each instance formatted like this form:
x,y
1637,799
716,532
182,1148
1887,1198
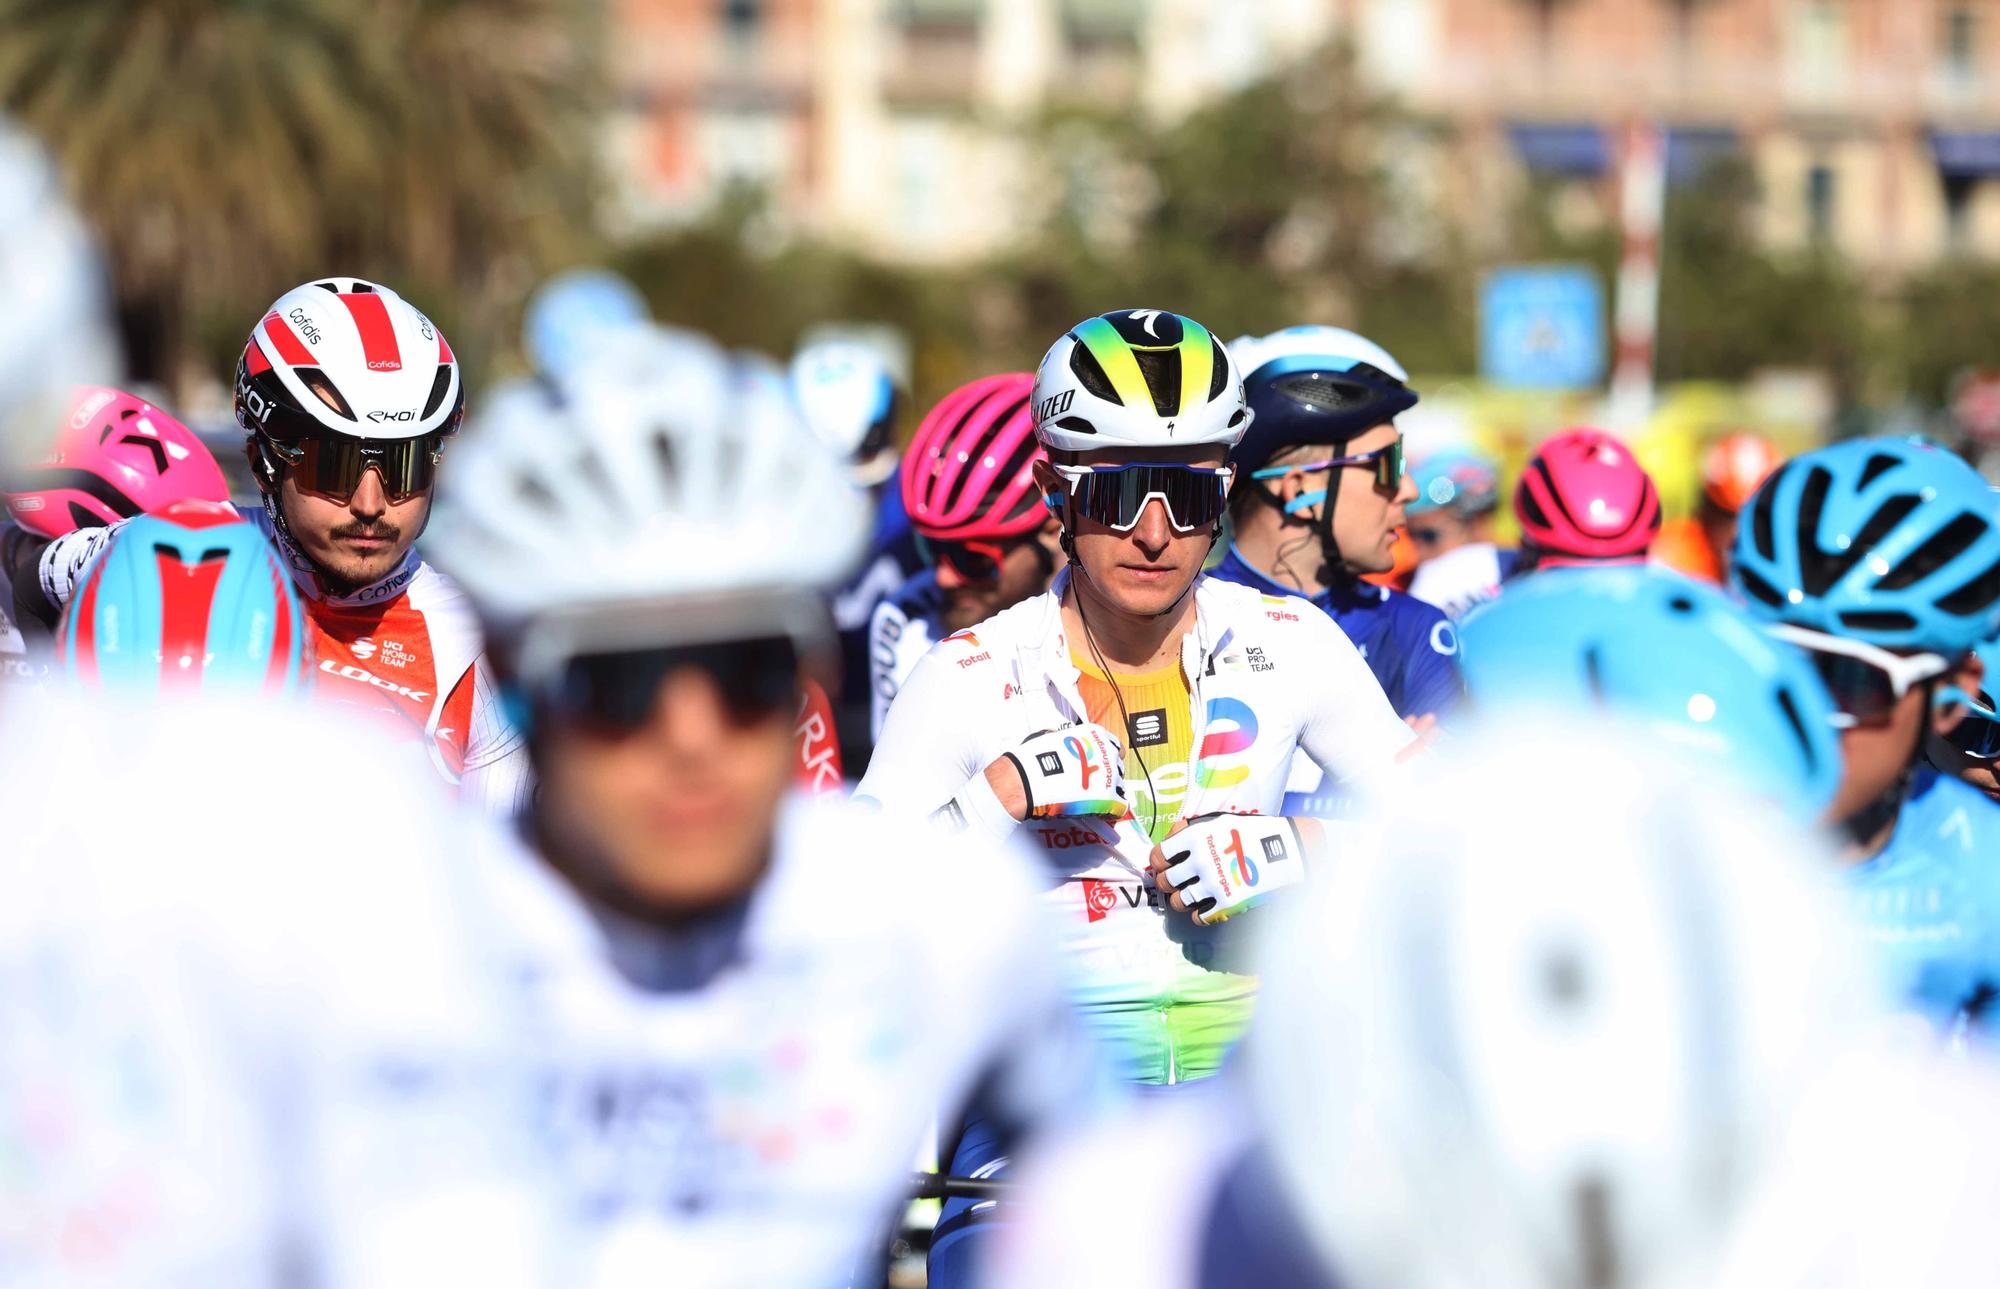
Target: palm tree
x,y
228,148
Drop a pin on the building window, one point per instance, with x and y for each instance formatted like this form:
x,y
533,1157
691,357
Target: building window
x,y
1960,39
1819,47
1819,203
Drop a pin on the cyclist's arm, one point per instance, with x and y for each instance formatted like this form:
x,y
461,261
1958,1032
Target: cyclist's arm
x,y
498,779
929,754
1350,730
42,587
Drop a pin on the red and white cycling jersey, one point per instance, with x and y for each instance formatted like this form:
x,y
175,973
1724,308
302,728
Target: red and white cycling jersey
x,y
405,648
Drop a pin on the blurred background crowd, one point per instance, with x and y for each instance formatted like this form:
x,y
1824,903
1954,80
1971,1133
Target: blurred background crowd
x,y
1772,215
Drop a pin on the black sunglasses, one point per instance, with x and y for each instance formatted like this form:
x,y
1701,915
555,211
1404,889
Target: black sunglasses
x,y
617,693
331,465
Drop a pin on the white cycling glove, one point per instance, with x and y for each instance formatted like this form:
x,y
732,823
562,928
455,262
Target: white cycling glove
x,y
1222,864
1070,770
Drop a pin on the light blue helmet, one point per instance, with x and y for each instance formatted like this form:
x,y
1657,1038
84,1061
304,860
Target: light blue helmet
x,y
1460,480
1675,659
1893,543
571,311
191,597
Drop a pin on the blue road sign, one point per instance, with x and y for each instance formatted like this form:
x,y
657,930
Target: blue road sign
x,y
1542,327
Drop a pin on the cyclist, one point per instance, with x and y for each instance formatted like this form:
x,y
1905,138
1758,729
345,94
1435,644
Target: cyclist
x,y
852,402
968,485
348,395
1450,523
116,456
1585,499
1552,1035
650,553
1881,560
1731,469
1316,505
1971,748
192,597
1126,720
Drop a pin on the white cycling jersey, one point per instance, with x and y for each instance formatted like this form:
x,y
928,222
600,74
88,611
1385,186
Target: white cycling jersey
x,y
1267,675
406,649
254,1028
1463,578
405,1052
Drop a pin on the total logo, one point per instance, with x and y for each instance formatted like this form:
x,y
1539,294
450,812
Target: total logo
x,y
349,672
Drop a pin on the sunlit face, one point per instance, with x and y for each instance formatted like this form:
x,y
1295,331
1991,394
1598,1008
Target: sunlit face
x,y
1146,571
358,541
675,816
1874,755
1366,516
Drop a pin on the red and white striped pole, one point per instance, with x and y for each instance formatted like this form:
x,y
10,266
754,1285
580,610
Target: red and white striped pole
x,y
1643,182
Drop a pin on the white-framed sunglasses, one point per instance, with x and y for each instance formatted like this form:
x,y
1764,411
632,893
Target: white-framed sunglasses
x,y
1865,680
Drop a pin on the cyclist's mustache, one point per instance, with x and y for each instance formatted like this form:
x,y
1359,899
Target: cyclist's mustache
x,y
379,532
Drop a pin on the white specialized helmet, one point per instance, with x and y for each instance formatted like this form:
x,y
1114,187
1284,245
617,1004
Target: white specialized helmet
x,y
850,398
1550,1036
345,356
55,332
1138,378
1314,340
660,492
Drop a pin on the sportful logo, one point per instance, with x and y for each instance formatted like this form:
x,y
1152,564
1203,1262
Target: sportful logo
x,y
1231,729
1081,751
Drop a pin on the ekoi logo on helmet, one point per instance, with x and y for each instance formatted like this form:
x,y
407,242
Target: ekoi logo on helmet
x,y
1081,751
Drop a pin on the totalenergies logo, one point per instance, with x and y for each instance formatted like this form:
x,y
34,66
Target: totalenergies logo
x,y
1081,751
1231,728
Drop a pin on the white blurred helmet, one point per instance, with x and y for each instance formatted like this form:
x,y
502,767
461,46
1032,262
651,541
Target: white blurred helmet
x,y
1314,341
572,311
659,492
1549,1036
850,398
55,332
1138,378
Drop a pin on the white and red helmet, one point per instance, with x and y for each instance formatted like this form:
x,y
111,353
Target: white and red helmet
x,y
345,356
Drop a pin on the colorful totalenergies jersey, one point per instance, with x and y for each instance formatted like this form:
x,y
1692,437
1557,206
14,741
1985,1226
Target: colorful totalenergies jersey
x,y
1262,677
405,650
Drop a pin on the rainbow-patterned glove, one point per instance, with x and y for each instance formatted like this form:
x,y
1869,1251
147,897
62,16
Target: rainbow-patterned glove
x,y
1222,864
1072,770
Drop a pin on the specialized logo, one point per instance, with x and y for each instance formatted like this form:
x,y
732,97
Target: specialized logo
x,y
1054,405
1085,766
1231,730
1148,728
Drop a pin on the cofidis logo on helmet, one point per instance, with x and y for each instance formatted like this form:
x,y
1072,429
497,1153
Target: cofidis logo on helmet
x,y
1231,729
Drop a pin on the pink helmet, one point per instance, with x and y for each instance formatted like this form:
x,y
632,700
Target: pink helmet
x,y
117,456
1585,499
970,471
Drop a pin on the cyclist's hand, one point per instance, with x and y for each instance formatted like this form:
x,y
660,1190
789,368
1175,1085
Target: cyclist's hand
x,y
1070,770
1215,866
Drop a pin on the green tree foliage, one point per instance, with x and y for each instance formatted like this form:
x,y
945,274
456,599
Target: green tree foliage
x,y
226,149
1949,324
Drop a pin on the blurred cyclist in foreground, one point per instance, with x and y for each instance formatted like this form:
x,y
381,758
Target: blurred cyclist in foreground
x,y
348,396
752,1004
1880,559
1551,1033
1451,525
1584,499
968,484
1731,469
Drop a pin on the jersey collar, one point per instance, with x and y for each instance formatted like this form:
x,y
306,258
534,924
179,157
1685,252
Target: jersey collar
x,y
1347,593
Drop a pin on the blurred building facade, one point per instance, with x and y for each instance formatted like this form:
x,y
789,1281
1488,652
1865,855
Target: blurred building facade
x,y
895,126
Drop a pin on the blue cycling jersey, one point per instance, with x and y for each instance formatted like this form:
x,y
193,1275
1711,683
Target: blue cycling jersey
x,y
1931,901
1411,646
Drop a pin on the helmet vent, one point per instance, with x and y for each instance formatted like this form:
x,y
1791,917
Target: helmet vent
x,y
1878,465
1532,509
1219,367
1076,425
438,388
1162,370
1681,604
1820,568
1759,588
316,380
1789,708
1090,374
1976,596
1324,393
1761,527
1944,546
1887,621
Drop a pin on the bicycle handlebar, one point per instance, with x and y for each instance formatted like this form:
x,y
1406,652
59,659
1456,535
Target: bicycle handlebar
x,y
939,1186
